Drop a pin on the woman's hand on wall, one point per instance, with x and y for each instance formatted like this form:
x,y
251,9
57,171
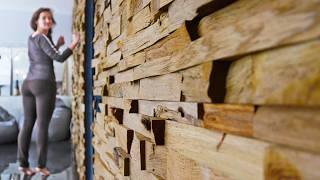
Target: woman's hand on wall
x,y
75,40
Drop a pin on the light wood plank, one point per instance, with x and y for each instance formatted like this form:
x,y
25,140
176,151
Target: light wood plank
x,y
234,119
156,159
297,127
260,31
213,151
281,162
140,21
115,27
151,127
294,79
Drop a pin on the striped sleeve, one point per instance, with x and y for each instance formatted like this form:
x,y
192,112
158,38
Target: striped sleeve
x,y
51,51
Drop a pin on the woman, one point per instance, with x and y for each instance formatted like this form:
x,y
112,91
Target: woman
x,y
39,88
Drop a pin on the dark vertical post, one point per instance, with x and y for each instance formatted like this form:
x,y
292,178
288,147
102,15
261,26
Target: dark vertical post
x,y
89,21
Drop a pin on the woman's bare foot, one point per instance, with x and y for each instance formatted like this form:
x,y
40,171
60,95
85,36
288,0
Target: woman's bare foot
x,y
43,171
27,171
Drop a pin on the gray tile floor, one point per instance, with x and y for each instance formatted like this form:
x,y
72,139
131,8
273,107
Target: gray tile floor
x,y
60,162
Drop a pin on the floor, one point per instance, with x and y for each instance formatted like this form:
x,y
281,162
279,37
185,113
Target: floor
x,y
60,162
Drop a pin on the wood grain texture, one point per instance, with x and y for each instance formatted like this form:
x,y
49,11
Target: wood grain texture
x,y
113,59
202,146
140,21
132,61
260,31
297,127
164,87
145,37
180,86
148,126
115,27
136,5
232,119
156,159
281,162
135,164
169,45
183,10
180,167
294,79
117,102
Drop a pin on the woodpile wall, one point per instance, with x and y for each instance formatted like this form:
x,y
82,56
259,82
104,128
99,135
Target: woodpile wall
x,y
203,89
78,90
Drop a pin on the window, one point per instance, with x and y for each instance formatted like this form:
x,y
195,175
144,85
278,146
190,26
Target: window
x,y
13,69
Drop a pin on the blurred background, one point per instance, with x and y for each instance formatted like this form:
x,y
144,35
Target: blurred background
x,y
15,17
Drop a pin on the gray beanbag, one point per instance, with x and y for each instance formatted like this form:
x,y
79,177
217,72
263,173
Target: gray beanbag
x,y
8,127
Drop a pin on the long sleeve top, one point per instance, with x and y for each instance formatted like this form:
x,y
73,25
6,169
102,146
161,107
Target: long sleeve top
x,y
41,54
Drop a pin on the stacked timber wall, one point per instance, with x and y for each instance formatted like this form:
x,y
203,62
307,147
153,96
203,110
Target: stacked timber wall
x,y
204,89
78,90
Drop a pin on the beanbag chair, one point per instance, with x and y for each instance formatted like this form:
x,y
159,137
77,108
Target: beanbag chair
x,y
8,127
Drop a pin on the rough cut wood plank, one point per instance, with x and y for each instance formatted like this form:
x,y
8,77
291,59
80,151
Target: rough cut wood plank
x,y
156,159
295,77
124,137
136,171
234,119
170,45
115,44
100,45
195,84
183,10
95,62
107,15
115,27
144,38
166,87
131,61
122,159
136,6
188,113
180,86
293,126
205,147
151,127
260,31
285,163
101,170
136,161
156,5
113,59
180,167
117,102
109,162
100,82
115,4
140,21
107,73
105,146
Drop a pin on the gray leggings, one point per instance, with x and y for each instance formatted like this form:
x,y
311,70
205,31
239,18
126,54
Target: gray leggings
x,y
38,104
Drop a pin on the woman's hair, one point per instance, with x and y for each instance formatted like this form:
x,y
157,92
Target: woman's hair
x,y
36,16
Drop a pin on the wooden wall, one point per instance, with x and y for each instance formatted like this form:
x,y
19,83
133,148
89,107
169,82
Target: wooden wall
x,y
78,89
202,89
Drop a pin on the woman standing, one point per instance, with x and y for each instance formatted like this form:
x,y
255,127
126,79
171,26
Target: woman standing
x,y
39,88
